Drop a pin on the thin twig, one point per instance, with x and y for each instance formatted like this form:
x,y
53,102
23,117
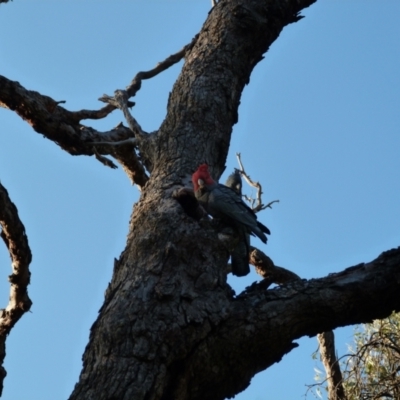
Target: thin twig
x,y
93,114
260,206
270,204
121,97
131,141
136,82
135,85
104,160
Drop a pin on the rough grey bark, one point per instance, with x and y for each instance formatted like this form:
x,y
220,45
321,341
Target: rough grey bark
x,y
170,326
272,274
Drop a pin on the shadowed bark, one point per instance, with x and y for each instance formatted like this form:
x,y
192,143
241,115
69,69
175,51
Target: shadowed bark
x,y
272,274
170,326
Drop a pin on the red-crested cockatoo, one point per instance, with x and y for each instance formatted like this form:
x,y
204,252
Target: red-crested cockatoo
x,y
225,203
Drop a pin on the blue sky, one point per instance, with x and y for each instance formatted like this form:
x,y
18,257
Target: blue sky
x,y
318,127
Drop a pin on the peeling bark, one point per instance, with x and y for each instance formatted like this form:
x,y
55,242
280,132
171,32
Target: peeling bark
x,y
13,235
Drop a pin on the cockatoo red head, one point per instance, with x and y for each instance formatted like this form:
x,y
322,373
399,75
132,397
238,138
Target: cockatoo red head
x,y
201,177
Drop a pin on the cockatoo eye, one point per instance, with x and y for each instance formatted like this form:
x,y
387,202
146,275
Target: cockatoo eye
x,y
200,182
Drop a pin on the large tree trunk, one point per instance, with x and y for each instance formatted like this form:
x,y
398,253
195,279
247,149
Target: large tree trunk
x,y
169,295
170,326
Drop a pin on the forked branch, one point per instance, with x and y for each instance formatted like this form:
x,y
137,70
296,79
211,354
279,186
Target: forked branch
x,y
121,97
63,127
259,206
120,100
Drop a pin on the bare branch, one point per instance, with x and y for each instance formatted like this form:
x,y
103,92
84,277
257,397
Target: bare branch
x,y
47,117
120,100
61,126
131,141
331,364
104,160
136,83
94,114
270,204
13,234
260,206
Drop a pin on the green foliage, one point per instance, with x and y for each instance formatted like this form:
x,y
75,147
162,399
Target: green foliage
x,y
372,370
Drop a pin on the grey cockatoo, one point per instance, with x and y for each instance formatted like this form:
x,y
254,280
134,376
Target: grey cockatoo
x,y
225,203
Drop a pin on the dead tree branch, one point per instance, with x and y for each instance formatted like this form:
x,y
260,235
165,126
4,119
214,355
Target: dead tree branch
x,y
61,126
120,100
47,117
13,235
260,206
121,97
136,82
95,114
